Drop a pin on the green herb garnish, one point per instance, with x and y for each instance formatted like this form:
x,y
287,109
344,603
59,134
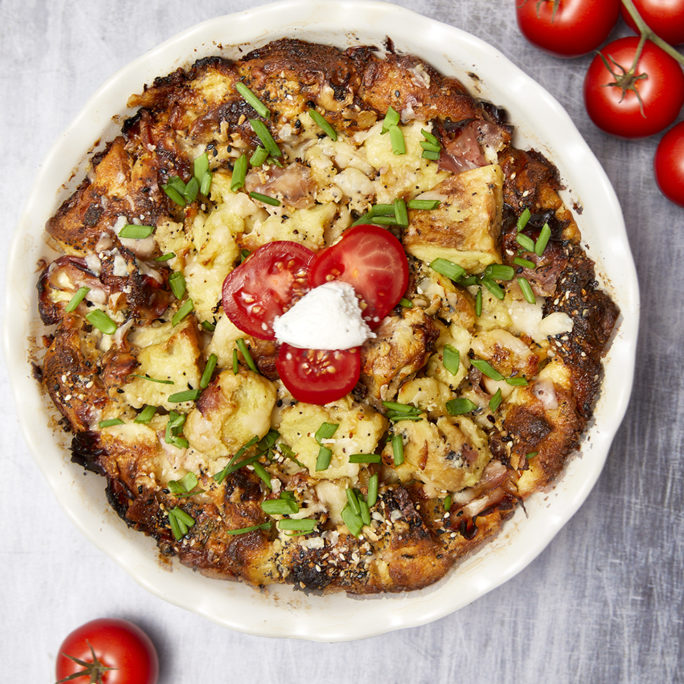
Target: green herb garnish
x,y
487,369
146,415
180,522
250,528
459,406
266,199
397,449
237,180
136,232
495,401
320,121
451,359
260,128
542,240
526,289
208,371
372,489
364,458
242,346
257,105
110,422
99,319
425,205
447,268
523,219
185,308
76,299
177,284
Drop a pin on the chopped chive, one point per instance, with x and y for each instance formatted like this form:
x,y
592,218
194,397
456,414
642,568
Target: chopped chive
x,y
467,281
110,422
175,528
234,464
266,199
429,154
364,458
173,194
526,289
205,184
451,359
523,219
325,431
397,412
398,449
400,212
352,521
525,241
525,263
478,302
235,362
165,257
147,377
200,166
372,489
174,427
397,140
487,369
208,326
208,371
303,525
495,401
239,172
186,484
459,406
365,512
191,190
500,272
531,455
244,253
447,268
242,346
391,119
406,303
184,520
425,205
429,137
517,381
259,157
99,319
383,220
430,147
364,219
186,307
136,232
76,299
185,395
257,105
177,184
263,474
282,506
353,500
250,528
324,458
448,500
383,210
288,453
493,287
260,128
320,121
542,240
177,284
146,415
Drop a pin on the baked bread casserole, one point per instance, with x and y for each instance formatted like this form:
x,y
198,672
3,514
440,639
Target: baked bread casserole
x,y
471,392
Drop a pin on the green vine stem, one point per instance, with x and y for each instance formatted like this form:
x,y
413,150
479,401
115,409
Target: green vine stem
x,y
648,34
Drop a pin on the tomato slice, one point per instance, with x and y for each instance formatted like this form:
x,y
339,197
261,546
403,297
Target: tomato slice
x,y
373,261
318,376
268,283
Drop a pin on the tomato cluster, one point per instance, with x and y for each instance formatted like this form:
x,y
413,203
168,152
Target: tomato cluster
x,y
634,86
276,275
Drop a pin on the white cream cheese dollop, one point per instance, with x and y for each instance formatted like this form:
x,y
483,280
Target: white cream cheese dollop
x,y
327,317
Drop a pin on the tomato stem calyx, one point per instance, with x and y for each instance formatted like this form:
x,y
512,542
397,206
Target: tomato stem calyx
x,y
625,79
556,3
94,670
648,34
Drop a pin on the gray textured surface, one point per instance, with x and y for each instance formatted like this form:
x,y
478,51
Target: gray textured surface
x,y
603,603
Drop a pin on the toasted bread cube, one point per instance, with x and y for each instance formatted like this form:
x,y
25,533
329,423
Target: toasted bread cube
x,y
465,227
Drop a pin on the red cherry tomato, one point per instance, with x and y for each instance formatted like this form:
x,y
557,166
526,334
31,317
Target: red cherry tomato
x,y
318,376
659,82
664,17
373,261
669,164
115,652
576,26
268,283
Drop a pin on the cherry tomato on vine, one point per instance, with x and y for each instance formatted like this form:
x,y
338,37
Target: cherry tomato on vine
x,y
268,283
669,164
318,376
664,17
111,652
568,28
633,102
373,261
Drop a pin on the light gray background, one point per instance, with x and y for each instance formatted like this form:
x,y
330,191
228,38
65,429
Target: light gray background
x,y
603,603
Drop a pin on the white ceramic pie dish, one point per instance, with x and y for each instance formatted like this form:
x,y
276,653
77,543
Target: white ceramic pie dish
x,y
540,122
